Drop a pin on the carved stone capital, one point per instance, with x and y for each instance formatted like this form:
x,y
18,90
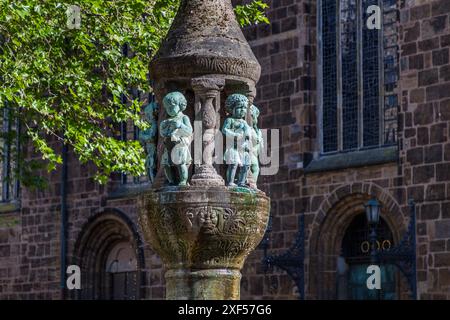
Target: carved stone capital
x,y
207,85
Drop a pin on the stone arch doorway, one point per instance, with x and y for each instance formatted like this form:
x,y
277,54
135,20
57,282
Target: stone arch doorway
x,y
330,226
109,253
354,259
121,280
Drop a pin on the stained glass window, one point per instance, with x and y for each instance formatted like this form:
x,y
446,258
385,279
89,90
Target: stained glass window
x,y
371,80
129,131
349,74
359,70
329,77
9,146
390,57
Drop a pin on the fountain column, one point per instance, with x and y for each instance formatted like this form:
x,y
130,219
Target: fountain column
x,y
203,231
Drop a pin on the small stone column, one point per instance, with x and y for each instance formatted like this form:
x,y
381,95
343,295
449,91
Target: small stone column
x,y
207,106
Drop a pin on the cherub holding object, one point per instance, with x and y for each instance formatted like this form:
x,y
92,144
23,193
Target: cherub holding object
x,y
177,133
148,139
237,133
257,143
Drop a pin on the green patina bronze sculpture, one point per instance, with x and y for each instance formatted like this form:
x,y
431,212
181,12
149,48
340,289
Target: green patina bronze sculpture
x,y
257,143
237,134
148,139
177,133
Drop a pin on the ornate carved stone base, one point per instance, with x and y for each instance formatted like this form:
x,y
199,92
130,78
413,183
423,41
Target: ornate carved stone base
x,y
203,235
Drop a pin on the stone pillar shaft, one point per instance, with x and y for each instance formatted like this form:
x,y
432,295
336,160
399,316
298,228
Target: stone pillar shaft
x,y
207,107
213,284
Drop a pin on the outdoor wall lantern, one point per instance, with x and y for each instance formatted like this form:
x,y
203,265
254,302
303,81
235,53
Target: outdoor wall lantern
x,y
403,255
373,208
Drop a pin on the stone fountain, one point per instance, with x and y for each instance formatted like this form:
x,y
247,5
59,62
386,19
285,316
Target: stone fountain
x,y
195,217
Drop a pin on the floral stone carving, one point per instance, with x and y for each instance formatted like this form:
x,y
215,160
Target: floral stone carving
x,y
211,230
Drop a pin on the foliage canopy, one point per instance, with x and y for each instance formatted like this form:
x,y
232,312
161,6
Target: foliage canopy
x,y
73,83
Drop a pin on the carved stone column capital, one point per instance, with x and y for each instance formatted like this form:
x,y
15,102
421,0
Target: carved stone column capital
x,y
207,85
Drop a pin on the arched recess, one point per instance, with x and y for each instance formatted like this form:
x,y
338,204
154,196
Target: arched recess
x,y
330,224
97,241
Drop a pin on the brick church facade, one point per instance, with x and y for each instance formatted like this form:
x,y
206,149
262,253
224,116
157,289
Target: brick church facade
x,y
362,114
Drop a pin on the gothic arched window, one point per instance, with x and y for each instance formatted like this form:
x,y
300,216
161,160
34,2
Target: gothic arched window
x,y
358,72
9,151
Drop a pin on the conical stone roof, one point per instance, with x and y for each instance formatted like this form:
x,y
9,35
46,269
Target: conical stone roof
x,y
205,39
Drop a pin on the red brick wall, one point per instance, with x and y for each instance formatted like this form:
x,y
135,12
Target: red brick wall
x,y
30,238
425,85
10,274
287,51
422,172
